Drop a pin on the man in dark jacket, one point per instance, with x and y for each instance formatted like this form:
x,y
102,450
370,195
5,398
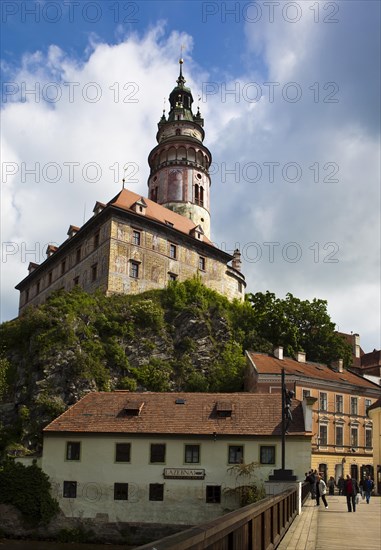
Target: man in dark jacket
x,y
368,488
351,489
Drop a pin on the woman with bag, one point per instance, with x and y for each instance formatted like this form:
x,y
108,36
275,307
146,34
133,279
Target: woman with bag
x,y
321,490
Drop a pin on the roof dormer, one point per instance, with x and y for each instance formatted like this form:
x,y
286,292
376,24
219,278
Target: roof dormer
x,y
140,206
132,408
197,232
32,266
99,206
223,409
73,229
51,249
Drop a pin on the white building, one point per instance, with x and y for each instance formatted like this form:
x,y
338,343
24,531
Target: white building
x,y
164,457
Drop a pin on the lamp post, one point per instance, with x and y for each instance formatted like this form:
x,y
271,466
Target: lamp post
x,y
282,474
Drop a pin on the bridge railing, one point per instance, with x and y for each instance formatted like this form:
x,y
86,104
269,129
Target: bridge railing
x,y
258,526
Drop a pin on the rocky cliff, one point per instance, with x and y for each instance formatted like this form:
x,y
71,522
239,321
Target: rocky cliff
x,y
183,338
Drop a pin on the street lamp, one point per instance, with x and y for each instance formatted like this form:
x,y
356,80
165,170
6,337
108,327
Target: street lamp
x,y
287,395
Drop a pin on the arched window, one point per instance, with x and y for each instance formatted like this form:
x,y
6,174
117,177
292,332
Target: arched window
x,y
201,202
172,154
181,153
191,155
196,193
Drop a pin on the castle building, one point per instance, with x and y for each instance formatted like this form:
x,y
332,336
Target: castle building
x,y
132,243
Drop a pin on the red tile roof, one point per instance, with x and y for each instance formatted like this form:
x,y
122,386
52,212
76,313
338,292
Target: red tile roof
x,y
126,199
267,364
104,412
371,359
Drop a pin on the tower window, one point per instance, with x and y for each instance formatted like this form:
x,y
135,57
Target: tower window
x,y
173,251
201,196
136,237
134,270
94,269
178,132
96,240
201,263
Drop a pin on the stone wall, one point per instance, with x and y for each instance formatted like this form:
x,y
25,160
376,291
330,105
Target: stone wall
x,y
99,529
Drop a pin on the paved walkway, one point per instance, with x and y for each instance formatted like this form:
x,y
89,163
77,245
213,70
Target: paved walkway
x,y
335,528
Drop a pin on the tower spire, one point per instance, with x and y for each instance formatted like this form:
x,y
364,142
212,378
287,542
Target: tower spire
x,y
179,176
181,80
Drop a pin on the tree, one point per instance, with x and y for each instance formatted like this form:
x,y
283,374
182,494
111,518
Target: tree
x,y
27,488
299,325
247,489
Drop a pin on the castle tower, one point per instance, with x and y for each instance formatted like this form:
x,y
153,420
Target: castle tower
x,y
179,177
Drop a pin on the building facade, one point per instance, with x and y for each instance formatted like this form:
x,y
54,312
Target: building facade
x,y
133,244
342,433
165,457
374,413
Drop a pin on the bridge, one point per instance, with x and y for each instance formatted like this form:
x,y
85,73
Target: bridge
x,y
288,521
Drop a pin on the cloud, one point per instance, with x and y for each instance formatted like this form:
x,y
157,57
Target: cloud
x,y
309,235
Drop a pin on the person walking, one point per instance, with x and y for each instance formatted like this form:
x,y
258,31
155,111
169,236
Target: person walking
x,y
340,485
351,489
331,486
368,487
321,490
311,480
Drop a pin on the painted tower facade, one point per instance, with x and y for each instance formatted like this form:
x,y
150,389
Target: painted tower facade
x,y
179,176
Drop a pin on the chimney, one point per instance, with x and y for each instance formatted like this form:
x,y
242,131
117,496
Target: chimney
x,y
338,365
307,406
356,345
236,262
278,352
301,357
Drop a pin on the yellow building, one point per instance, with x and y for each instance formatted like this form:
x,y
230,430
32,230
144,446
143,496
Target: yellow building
x,y
374,412
132,243
165,457
341,431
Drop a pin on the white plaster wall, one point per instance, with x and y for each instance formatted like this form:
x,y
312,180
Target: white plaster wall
x,y
184,500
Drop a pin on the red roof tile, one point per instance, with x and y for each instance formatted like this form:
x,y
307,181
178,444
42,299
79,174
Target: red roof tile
x,y
194,413
126,199
267,364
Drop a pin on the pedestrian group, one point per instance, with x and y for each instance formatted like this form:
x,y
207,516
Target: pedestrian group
x,y
348,487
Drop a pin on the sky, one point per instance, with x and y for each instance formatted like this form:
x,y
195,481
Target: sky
x,y
290,94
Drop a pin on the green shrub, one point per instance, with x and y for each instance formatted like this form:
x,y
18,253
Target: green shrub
x,y
28,489
127,383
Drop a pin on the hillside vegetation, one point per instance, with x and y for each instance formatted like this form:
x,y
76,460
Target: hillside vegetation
x,y
183,338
